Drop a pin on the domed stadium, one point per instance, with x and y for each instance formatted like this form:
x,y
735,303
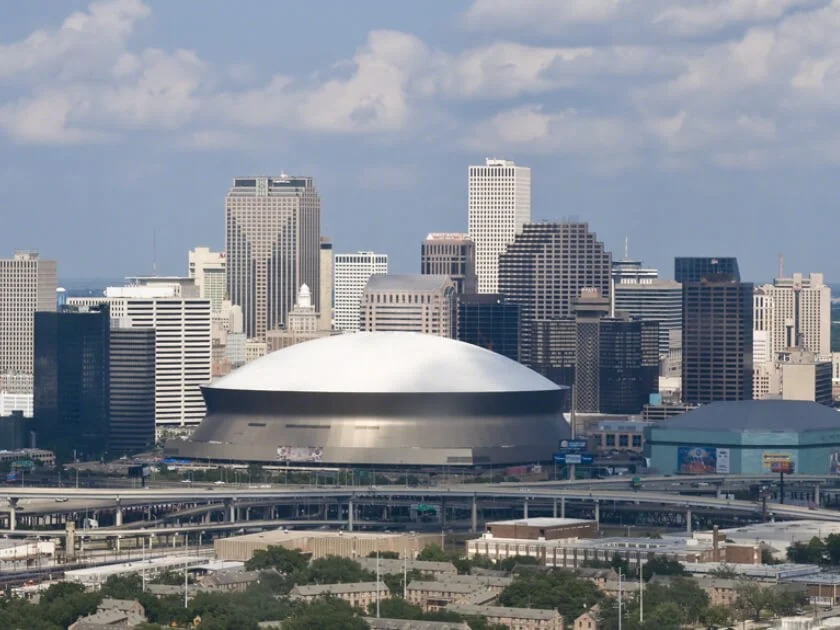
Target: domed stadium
x,y
380,399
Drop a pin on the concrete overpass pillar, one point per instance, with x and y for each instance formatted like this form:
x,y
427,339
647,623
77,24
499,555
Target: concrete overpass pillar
x,y
688,521
474,516
13,513
525,509
118,515
230,509
350,515
817,494
598,513
554,508
562,507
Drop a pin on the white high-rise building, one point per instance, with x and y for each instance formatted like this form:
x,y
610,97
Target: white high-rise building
x,y
27,284
350,276
208,270
499,203
273,245
183,345
799,316
325,313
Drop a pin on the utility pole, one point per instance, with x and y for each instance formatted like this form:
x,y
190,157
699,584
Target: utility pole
x,y
377,581
619,599
573,423
405,575
641,594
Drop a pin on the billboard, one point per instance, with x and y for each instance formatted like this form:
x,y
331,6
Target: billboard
x,y
702,460
834,463
312,454
776,461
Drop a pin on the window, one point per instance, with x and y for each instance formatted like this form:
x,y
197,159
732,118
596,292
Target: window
x,y
637,441
622,440
610,439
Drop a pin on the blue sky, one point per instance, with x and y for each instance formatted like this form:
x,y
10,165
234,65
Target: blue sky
x,y
705,127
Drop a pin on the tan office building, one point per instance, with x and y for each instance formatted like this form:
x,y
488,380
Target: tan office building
x,y
409,303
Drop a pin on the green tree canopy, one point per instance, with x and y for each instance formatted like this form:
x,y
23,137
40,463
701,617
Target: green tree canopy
x,y
280,558
326,614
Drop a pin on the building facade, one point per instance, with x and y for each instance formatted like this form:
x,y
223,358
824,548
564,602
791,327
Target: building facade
x,y
325,312
409,303
453,255
272,242
301,325
27,285
352,272
694,269
489,321
545,269
71,364
499,204
131,409
208,270
640,293
800,315
717,336
183,346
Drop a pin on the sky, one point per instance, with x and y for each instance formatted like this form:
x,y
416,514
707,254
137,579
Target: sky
x,y
689,127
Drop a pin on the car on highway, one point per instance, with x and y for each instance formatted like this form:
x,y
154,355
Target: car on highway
x,y
62,500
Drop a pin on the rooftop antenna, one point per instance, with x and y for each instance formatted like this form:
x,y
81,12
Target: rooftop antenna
x,y
154,251
626,248
781,266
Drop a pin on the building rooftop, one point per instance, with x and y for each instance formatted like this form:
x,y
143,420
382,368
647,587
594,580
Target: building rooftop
x,y
407,282
503,611
443,586
390,565
541,522
447,236
413,624
767,415
315,590
385,362
758,571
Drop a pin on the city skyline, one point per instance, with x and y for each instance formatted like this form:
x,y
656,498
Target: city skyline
x,y
668,172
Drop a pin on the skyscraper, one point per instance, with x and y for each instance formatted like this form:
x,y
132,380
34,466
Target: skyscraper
x,y
183,346
325,313
694,269
352,272
800,316
131,426
272,242
489,321
410,303
717,337
640,293
499,203
72,380
27,285
545,269
208,270
450,254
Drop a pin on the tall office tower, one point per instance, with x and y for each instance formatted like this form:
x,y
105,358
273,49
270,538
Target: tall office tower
x,y
545,269
273,245
131,427
499,204
412,303
489,321
801,314
694,269
208,270
450,254
612,361
72,380
352,272
27,284
183,346
325,312
301,325
717,337
640,293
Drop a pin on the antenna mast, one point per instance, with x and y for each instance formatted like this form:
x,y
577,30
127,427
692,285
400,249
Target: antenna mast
x,y
781,266
154,251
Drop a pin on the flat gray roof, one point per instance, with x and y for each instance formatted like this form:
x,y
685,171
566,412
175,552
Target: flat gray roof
x,y
767,415
406,282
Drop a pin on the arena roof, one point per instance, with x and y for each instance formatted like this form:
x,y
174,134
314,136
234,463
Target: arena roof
x,y
385,362
757,415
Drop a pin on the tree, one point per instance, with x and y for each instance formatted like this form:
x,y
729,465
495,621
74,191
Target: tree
x,y
780,602
325,614
750,600
718,616
509,563
385,555
832,547
659,565
724,571
396,608
558,590
433,553
333,570
276,557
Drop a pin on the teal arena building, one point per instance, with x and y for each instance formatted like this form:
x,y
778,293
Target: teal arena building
x,y
748,437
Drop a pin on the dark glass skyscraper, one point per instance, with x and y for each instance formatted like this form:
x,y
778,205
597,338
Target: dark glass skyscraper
x,y
717,331
489,321
132,383
71,380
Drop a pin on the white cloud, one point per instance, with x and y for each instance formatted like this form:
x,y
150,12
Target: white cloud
x,y
711,16
541,15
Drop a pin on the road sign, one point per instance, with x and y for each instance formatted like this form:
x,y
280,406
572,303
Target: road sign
x,y
573,458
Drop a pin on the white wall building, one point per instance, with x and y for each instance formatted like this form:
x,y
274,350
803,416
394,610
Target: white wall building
x,y
351,275
800,306
499,204
27,284
208,270
183,346
325,314
410,303
11,402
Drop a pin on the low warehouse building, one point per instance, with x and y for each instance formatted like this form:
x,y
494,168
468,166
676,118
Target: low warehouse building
x,y
748,437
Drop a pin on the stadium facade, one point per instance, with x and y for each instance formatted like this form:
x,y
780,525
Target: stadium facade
x,y
380,399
